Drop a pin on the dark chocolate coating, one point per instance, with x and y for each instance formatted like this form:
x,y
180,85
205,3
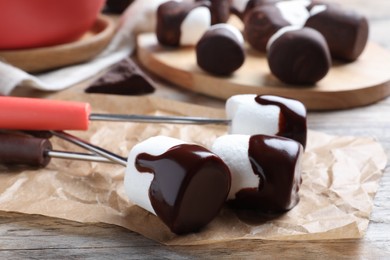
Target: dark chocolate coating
x,y
220,11
124,78
24,150
292,118
299,57
261,23
219,52
345,31
189,187
170,16
274,160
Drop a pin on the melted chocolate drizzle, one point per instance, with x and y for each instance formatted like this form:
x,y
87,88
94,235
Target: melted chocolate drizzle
x,y
274,160
189,187
292,118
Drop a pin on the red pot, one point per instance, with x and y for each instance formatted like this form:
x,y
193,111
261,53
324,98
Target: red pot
x,y
38,23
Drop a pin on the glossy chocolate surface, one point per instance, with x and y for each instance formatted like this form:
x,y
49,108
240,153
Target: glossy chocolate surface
x,y
345,31
124,78
292,118
261,23
299,57
170,16
189,187
275,161
219,52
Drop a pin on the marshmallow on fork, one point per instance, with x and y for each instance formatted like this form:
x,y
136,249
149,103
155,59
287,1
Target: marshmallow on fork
x,y
265,170
185,185
268,115
247,114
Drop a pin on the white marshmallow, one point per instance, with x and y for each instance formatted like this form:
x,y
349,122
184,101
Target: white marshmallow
x,y
233,150
249,117
295,12
137,183
231,28
195,25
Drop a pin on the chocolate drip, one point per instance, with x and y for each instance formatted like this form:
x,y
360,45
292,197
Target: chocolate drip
x,y
292,118
275,161
170,16
189,187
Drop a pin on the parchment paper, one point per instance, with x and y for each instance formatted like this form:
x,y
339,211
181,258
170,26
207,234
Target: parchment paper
x,y
340,178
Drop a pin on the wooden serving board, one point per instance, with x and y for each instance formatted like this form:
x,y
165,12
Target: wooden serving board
x,y
347,85
46,58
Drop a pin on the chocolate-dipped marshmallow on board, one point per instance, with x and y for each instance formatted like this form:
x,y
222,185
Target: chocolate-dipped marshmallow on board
x,y
182,23
220,51
264,21
261,23
298,55
345,31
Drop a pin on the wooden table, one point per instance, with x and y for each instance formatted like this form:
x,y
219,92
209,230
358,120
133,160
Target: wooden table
x,y
32,236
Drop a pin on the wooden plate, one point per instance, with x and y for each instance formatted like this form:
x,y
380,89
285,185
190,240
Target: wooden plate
x,y
46,58
347,85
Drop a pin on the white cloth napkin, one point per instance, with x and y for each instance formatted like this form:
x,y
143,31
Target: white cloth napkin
x,y
140,16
